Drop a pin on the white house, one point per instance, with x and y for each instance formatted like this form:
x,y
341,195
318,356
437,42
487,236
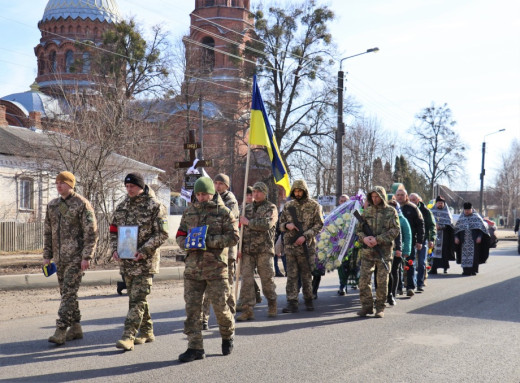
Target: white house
x,y
29,163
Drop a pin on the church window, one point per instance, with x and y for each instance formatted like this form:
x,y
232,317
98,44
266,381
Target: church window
x,y
86,62
69,61
41,65
70,29
78,30
208,54
62,29
52,62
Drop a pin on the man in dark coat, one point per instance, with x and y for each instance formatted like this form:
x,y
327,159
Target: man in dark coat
x,y
443,251
471,240
416,221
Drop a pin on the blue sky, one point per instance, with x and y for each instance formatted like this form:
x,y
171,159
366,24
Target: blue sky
x,y
464,53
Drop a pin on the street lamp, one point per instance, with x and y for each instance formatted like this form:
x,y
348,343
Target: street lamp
x,y
483,171
340,132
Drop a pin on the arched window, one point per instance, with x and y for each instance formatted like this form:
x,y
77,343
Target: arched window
x,y
53,65
96,32
41,65
78,30
62,29
87,31
69,61
86,62
208,54
70,30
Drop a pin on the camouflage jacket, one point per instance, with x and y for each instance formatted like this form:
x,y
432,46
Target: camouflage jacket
x,y
222,233
231,203
384,222
146,212
309,215
260,232
70,232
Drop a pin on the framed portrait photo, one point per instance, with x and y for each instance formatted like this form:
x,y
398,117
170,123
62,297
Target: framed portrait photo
x,y
127,241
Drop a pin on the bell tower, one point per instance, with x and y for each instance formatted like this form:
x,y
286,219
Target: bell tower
x,y
215,46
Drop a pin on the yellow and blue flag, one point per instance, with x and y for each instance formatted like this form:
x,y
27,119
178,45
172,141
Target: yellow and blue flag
x,y
261,133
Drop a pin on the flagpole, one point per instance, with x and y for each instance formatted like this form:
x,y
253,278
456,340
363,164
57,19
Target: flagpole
x,y
239,259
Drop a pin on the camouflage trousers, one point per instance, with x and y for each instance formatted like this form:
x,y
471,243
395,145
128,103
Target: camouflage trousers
x,y
69,278
218,292
365,283
231,299
298,265
265,266
138,317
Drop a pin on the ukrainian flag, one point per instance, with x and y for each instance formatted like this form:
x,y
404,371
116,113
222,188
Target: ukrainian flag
x,y
261,133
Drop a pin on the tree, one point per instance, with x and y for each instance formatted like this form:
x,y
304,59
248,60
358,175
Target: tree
x,y
106,123
130,66
295,40
437,149
413,181
507,184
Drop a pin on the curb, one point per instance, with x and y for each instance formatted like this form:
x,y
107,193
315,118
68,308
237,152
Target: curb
x,y
91,278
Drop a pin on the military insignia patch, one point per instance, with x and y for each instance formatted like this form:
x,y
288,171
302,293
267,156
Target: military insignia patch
x,y
90,216
164,224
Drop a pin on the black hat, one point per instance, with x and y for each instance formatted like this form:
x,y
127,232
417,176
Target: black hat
x,y
249,190
440,199
135,179
467,205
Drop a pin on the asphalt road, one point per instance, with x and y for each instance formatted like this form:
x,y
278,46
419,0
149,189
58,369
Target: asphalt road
x,y
461,329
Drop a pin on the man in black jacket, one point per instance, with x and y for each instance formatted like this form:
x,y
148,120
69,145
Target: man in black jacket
x,y
415,218
430,234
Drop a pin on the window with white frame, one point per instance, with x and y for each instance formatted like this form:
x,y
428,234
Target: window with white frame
x,y
26,188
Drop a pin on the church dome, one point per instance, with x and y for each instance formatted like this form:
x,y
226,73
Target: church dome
x,y
102,10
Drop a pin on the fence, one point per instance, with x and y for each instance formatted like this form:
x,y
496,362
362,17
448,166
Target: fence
x,y
16,236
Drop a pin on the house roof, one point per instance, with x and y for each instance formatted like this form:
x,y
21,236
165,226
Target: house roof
x,y
38,144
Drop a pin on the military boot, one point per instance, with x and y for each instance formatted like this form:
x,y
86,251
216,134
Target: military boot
x,y
247,314
59,337
365,311
74,332
147,337
126,344
227,346
379,314
292,307
272,308
191,354
309,306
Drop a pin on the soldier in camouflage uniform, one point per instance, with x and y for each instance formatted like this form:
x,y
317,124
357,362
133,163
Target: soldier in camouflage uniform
x,y
259,223
140,208
384,222
308,213
221,183
207,270
70,238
